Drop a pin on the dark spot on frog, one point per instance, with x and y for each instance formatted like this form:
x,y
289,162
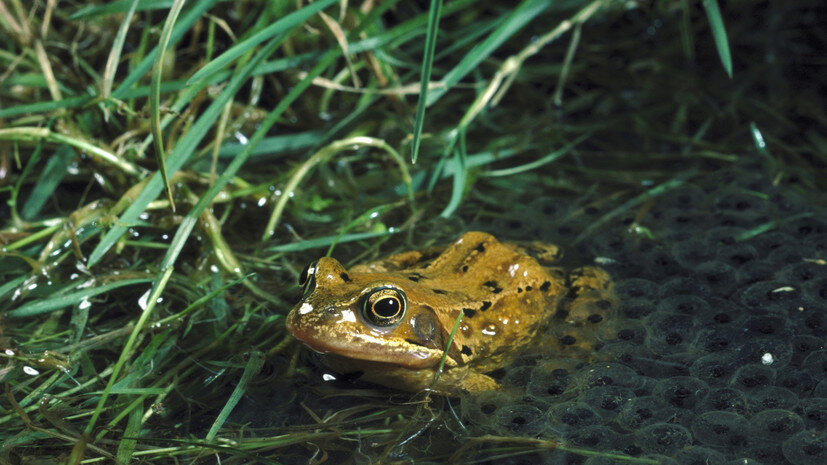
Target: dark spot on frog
x,y
519,289
438,291
595,318
414,278
567,340
495,288
466,350
546,285
480,248
528,288
485,305
464,268
469,312
345,277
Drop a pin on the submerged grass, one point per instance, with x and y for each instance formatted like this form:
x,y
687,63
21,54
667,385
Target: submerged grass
x,y
136,326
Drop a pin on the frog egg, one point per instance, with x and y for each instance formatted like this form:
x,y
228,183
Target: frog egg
x,y
660,264
480,410
803,345
780,297
636,308
752,376
683,392
684,304
764,452
692,252
814,413
754,272
797,381
719,276
805,227
623,330
812,321
770,397
725,399
644,411
817,243
803,272
635,288
697,455
609,374
788,254
806,448
715,369
816,291
775,425
723,312
722,429
569,416
607,401
549,385
592,437
767,242
517,376
519,420
684,285
736,255
669,333
662,438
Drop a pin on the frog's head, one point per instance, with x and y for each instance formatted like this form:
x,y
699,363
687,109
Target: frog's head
x,y
379,317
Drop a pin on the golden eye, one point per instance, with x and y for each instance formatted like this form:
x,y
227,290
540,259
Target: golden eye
x,y
308,276
384,306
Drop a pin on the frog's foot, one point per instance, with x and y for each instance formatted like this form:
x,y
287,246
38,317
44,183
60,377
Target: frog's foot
x,y
462,381
546,254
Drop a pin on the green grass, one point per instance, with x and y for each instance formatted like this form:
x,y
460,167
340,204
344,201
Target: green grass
x,y
135,323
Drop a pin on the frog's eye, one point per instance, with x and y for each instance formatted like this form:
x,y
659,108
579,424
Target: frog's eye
x,y
307,278
385,306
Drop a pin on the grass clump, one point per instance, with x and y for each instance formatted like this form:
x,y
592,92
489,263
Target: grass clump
x,y
167,169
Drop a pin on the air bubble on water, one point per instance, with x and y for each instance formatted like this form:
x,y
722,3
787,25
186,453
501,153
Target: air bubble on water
x,y
213,269
30,371
9,352
84,304
328,377
241,138
261,202
767,359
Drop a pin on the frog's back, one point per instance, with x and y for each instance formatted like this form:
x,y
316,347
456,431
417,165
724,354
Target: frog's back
x,y
504,295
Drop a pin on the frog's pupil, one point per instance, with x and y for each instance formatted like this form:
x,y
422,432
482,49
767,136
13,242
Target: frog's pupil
x,y
387,307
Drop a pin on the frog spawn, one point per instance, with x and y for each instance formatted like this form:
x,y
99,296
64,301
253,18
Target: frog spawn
x,y
722,335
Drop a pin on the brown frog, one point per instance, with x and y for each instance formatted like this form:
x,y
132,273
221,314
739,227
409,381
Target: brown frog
x,y
391,320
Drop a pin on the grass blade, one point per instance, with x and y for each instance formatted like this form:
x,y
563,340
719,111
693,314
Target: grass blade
x,y
155,97
522,15
47,182
716,23
55,303
115,57
280,27
425,78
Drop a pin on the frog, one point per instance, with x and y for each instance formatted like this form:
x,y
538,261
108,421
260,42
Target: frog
x,y
441,319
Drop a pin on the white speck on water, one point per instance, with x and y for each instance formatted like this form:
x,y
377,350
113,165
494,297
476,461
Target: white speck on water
x,y
767,359
30,371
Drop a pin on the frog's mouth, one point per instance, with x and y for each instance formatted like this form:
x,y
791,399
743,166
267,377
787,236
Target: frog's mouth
x,y
354,342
